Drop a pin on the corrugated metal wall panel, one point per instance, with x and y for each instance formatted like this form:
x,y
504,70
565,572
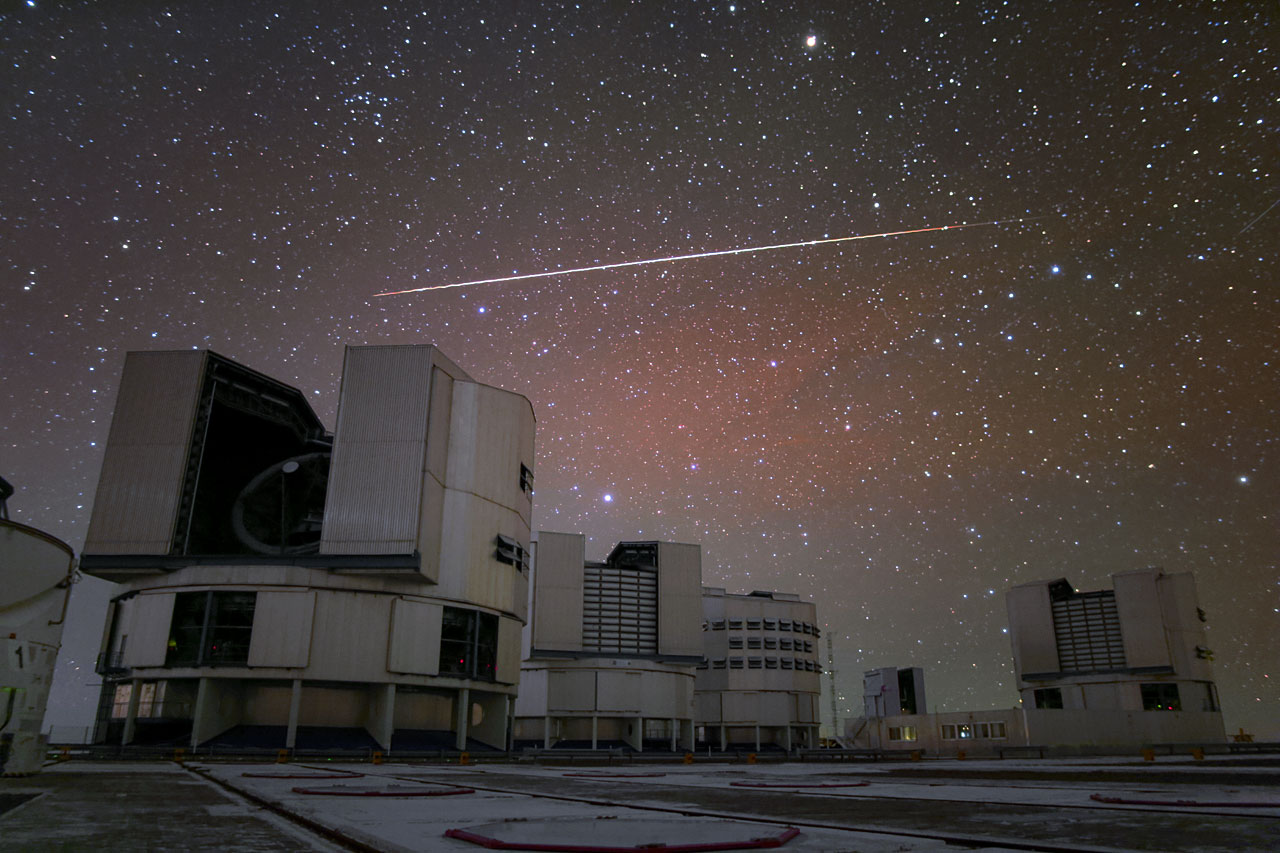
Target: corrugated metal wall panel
x,y
282,622
148,636
557,595
375,480
508,669
680,615
415,637
144,461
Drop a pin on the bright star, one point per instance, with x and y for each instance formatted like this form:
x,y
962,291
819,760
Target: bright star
x,y
608,498
811,41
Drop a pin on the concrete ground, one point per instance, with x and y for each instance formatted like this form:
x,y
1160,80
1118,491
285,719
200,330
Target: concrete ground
x,y
881,808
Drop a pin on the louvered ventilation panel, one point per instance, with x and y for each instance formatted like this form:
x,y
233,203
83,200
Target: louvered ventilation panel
x,y
1087,628
620,610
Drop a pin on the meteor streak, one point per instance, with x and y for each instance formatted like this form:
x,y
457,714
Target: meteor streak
x,y
745,250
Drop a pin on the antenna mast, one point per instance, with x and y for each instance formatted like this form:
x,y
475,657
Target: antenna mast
x,y
831,680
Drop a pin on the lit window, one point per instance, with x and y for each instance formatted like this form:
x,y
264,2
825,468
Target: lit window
x,y
120,701
902,733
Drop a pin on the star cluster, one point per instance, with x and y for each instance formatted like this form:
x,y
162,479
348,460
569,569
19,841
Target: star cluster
x,y
899,429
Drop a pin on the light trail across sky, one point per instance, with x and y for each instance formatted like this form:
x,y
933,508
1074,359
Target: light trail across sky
x,y
745,250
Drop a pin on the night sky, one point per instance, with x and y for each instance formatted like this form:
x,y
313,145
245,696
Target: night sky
x,y
899,428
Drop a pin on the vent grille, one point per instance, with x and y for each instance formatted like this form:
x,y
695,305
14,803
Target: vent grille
x,y
1087,629
620,610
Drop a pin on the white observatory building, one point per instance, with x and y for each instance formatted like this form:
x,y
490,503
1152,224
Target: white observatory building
x,y
284,587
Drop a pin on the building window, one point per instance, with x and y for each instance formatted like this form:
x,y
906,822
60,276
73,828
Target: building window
x,y
753,624
784,624
526,479
735,642
717,624
770,643
957,731
511,552
702,664
735,663
808,646
785,643
210,628
1160,697
788,663
753,642
771,624
120,701
806,627
469,644
719,663
1048,697
902,733
755,663
990,731
735,624
770,663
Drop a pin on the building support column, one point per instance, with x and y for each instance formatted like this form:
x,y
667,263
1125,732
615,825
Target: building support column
x,y
595,730
131,715
295,708
675,729
546,732
384,716
463,718
757,737
724,738
787,745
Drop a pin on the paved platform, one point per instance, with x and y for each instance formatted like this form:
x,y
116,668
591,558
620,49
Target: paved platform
x,y
905,808
79,806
